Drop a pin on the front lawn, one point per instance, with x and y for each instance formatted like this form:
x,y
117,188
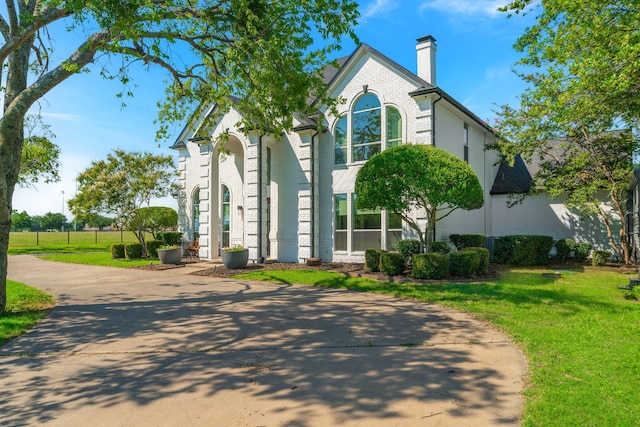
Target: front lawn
x,y
26,306
580,334
99,258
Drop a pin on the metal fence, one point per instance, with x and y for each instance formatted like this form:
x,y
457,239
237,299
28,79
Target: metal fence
x,y
44,238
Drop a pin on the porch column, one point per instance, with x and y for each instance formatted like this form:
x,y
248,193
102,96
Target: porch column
x,y
208,183
255,203
308,194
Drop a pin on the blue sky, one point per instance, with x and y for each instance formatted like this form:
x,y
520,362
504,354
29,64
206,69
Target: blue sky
x,y
475,58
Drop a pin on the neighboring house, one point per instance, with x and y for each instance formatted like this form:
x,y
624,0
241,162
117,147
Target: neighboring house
x,y
291,196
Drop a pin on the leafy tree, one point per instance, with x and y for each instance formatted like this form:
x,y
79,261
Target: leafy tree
x,y
581,61
121,185
100,222
411,177
40,157
50,221
151,220
266,54
20,221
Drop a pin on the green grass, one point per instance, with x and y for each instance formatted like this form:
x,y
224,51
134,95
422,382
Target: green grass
x,y
64,248
580,334
26,306
98,258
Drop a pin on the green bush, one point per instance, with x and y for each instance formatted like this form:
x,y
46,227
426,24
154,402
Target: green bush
x,y
484,258
170,237
431,265
408,248
461,241
372,259
582,251
464,263
133,250
523,250
392,263
440,247
564,248
600,257
152,247
117,250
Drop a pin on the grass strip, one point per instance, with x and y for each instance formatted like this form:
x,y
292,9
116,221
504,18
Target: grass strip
x,y
26,306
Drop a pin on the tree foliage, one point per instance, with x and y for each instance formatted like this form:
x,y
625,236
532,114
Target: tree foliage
x,y
152,219
263,55
40,158
121,185
582,61
411,178
21,221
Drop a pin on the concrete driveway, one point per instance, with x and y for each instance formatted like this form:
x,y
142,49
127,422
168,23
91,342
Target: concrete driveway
x,y
147,348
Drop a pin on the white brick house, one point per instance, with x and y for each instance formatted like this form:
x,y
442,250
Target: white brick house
x,y
291,197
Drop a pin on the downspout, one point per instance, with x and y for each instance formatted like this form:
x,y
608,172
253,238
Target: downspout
x,y
260,258
433,142
313,193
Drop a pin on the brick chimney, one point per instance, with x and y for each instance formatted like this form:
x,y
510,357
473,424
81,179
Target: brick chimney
x,y
426,53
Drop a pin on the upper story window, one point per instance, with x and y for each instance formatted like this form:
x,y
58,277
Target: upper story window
x,y
366,128
394,127
466,143
341,141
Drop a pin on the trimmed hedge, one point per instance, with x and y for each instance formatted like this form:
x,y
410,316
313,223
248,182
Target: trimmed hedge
x,y
600,257
582,251
431,265
117,250
372,259
464,263
462,241
392,263
408,248
170,237
152,247
484,258
523,250
440,247
133,251
564,248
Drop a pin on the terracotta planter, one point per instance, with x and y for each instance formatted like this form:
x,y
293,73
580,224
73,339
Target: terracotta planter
x,y
170,256
235,259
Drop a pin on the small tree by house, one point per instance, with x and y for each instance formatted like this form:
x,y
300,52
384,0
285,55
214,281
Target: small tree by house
x,y
413,178
151,219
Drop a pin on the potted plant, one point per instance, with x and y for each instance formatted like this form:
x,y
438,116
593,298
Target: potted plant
x,y
235,257
170,254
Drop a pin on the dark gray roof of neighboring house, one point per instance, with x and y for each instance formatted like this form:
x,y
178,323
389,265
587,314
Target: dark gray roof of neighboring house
x,y
512,179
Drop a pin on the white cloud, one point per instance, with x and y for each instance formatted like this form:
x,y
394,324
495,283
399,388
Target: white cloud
x,y
464,7
378,7
63,117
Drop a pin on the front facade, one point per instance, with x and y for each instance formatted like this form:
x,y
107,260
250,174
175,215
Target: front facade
x,y
291,197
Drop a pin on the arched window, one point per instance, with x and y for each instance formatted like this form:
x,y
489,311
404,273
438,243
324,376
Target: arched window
x,y
366,128
341,141
226,216
196,213
394,127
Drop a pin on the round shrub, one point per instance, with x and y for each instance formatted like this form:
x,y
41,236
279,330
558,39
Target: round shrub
x,y
461,241
152,247
440,247
392,263
431,265
582,251
600,257
484,255
408,248
170,237
523,249
565,247
117,250
372,259
464,263
133,251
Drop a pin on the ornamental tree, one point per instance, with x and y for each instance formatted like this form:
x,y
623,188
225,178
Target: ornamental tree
x,y
265,56
410,179
151,220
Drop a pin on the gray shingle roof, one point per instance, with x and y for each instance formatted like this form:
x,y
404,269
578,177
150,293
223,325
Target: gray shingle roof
x,y
512,179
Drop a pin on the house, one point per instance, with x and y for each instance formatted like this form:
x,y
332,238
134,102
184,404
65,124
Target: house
x,y
291,197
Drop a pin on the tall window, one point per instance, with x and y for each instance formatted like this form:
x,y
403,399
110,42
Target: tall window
x,y
367,228
394,127
394,231
196,213
341,141
366,128
226,216
340,222
465,136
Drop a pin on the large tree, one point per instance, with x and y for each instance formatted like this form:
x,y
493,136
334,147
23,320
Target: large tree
x,y
266,53
582,62
40,158
121,185
411,179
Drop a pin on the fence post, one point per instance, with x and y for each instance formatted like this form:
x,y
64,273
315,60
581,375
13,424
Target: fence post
x,y
37,238
68,237
96,236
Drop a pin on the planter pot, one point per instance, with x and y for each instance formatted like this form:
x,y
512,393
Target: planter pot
x,y
170,256
235,259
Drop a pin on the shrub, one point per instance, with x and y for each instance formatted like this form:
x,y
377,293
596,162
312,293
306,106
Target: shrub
x,y
392,263
372,259
600,257
464,263
484,258
170,237
117,250
461,241
431,265
408,248
440,247
582,251
565,247
133,250
152,247
523,250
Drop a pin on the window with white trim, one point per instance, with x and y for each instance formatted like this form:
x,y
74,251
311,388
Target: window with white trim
x,y
226,216
366,134
466,143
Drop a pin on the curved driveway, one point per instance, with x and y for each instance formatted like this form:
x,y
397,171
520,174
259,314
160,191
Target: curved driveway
x,y
148,348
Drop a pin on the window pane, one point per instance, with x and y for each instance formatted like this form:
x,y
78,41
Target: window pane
x,y
394,127
363,240
341,156
340,207
340,240
226,195
395,221
226,216
366,133
341,141
367,102
393,237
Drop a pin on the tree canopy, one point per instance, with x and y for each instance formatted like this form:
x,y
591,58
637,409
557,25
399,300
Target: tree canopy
x,y
151,219
582,61
263,56
40,158
410,178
